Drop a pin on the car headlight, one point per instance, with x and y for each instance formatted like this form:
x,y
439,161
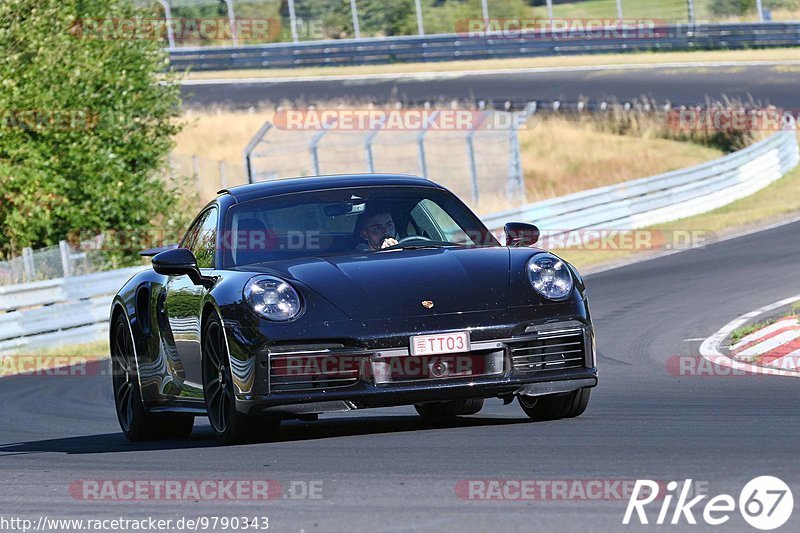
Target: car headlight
x,y
272,298
549,276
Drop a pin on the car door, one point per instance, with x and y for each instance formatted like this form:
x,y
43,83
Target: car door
x,y
183,304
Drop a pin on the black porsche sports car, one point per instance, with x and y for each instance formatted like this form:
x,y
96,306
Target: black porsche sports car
x,y
291,298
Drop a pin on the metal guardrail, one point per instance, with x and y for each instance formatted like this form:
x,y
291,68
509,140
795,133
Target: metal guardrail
x,y
75,310
665,197
449,47
58,311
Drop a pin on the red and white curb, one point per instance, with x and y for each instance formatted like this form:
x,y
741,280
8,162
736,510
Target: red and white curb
x,y
773,350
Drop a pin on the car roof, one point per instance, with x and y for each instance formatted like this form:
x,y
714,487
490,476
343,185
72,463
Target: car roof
x,y
252,191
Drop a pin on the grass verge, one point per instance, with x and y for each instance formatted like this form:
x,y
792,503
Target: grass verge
x,y
744,331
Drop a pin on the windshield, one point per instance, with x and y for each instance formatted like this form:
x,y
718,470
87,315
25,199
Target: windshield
x,y
348,221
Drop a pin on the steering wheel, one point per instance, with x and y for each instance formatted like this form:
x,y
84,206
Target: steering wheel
x,y
410,238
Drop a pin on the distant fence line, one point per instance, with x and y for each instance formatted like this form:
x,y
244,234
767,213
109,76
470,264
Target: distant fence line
x,y
48,263
340,52
205,176
242,22
480,162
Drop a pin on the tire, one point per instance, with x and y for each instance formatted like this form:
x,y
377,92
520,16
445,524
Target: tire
x,y
555,406
451,408
229,426
136,422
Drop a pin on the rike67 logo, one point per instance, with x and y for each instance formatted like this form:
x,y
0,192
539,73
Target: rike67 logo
x,y
765,503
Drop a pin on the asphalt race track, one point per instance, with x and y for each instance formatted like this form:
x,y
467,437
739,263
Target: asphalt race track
x,y
771,84
386,469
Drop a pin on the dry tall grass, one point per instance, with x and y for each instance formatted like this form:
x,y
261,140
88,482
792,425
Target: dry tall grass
x,y
561,156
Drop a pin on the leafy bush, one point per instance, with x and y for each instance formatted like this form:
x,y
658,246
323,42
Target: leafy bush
x,y
85,125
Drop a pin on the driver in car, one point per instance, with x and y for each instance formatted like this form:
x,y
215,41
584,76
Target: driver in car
x,y
378,230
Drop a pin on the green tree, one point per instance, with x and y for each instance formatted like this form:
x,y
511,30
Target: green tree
x,y
86,122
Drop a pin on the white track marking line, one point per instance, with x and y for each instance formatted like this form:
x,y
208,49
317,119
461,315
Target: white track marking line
x,y
781,324
710,348
455,74
763,348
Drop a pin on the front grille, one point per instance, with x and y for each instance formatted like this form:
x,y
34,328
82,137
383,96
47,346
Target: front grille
x,y
314,370
554,350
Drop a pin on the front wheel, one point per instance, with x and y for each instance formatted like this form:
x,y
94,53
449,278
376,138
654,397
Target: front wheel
x,y
230,426
451,408
136,422
555,406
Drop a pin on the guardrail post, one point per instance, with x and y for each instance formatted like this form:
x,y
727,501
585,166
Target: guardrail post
x,y
232,21
196,171
27,263
423,162
248,151
356,28
516,179
293,21
473,165
170,29
368,146
223,176
420,24
314,146
66,264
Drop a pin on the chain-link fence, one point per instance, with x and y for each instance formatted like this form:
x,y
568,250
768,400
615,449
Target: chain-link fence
x,y
242,22
475,154
50,263
203,177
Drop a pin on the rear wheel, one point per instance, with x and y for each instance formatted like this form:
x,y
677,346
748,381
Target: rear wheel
x,y
555,406
451,408
230,426
136,422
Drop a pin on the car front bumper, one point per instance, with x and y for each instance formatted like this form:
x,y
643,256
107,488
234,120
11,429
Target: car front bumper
x,y
551,358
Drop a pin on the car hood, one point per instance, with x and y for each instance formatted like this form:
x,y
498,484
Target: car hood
x,y
395,283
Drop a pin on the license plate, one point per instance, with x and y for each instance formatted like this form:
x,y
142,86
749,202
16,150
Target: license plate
x,y
440,343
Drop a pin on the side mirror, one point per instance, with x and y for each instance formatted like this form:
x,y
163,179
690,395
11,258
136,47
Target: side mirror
x,y
180,262
521,234
155,251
